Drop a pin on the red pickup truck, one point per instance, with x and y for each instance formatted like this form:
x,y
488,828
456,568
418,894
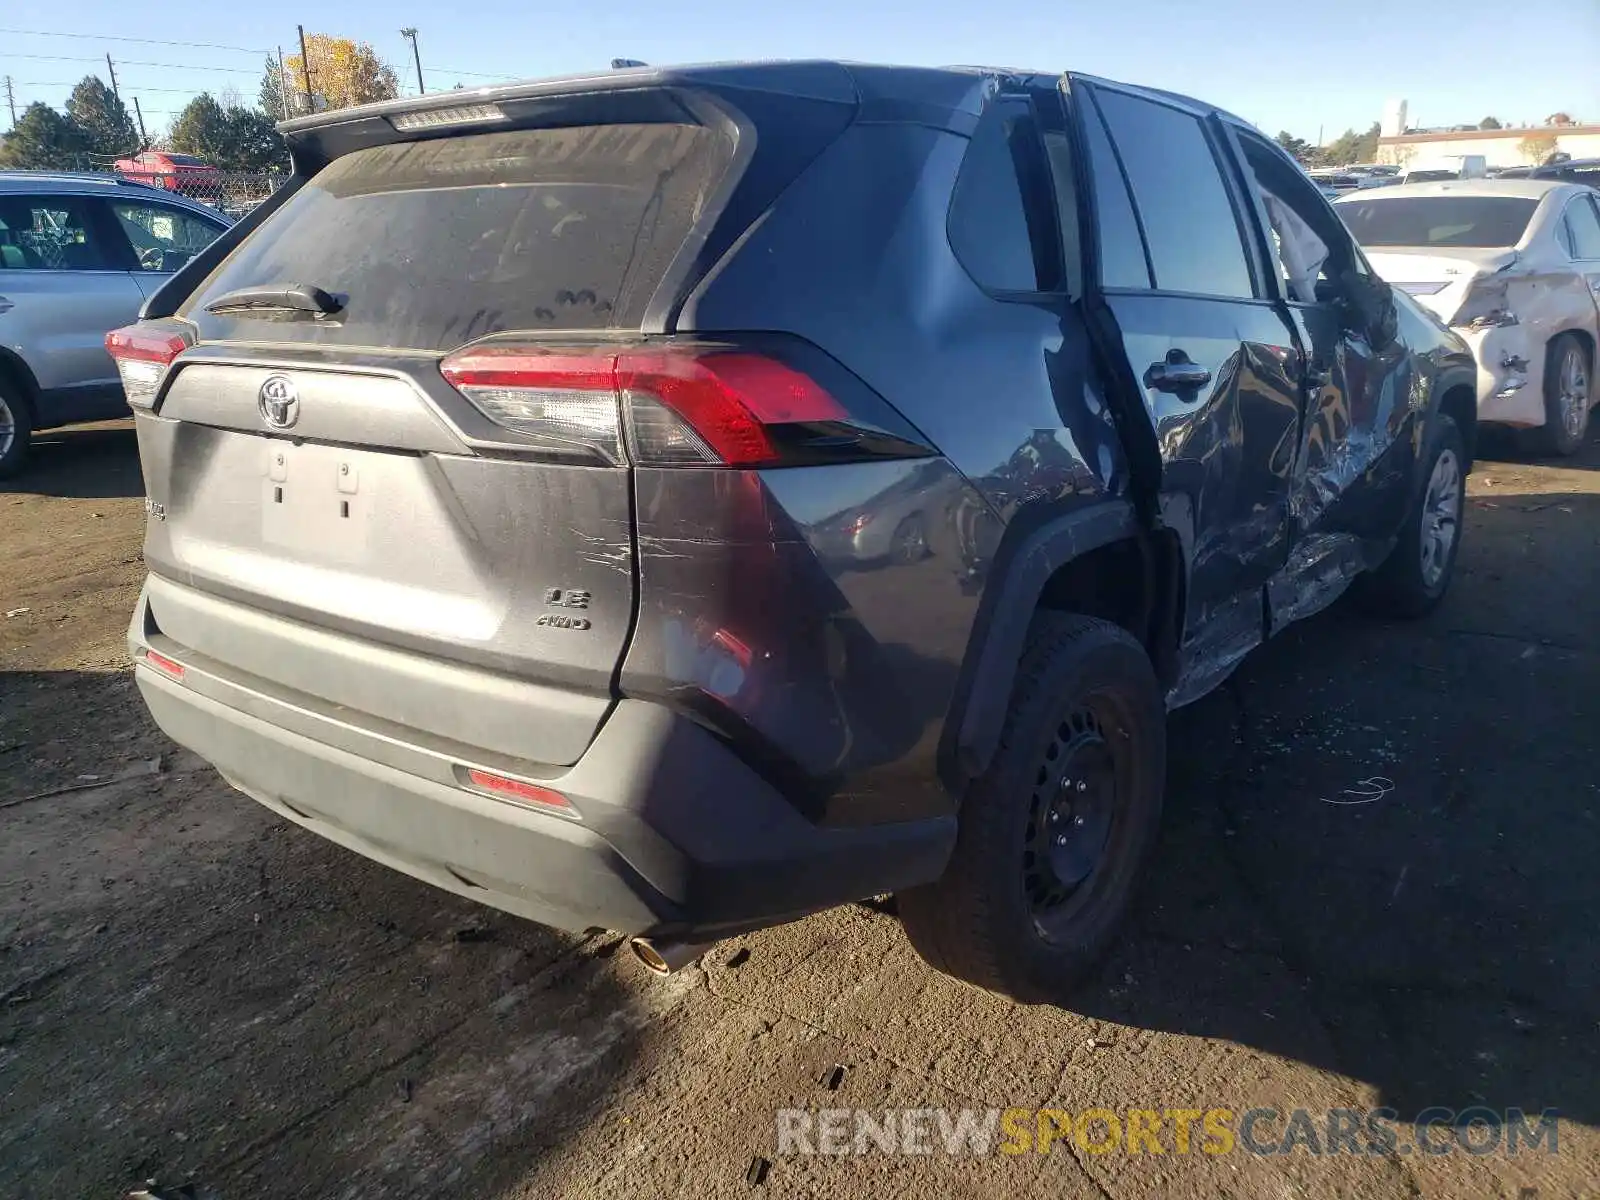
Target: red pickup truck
x,y
183,173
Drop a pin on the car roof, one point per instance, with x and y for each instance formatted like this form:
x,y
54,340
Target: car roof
x,y
1531,189
87,183
831,79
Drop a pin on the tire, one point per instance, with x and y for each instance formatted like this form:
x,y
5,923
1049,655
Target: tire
x,y
1567,388
1412,580
909,543
1006,915
16,430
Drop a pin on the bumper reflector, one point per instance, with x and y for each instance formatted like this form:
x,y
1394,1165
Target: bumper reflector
x,y
517,789
165,665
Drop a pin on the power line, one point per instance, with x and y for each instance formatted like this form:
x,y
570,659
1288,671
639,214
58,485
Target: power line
x,y
132,62
468,74
107,37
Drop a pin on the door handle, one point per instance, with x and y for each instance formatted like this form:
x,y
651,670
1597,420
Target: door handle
x,y
5,305
1176,373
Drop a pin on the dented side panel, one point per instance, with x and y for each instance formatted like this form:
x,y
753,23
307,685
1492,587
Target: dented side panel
x,y
816,617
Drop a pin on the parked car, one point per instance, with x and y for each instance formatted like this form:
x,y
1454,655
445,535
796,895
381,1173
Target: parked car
x,y
492,477
1571,170
1513,266
182,173
79,254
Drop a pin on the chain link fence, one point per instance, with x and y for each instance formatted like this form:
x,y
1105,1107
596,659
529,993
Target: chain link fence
x,y
233,193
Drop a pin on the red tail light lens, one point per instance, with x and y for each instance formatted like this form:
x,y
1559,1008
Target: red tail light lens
x,y
142,356
679,405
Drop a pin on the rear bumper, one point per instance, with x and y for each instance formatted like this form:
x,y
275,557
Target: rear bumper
x,y
674,835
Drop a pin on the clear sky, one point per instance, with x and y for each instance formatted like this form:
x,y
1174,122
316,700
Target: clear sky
x,y
1283,64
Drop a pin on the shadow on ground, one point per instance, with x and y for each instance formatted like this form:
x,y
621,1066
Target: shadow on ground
x,y
1398,825
88,462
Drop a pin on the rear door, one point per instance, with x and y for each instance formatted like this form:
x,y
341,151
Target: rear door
x,y
1214,358
63,285
321,468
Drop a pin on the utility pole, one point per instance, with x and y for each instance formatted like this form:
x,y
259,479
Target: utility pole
x,y
305,68
410,34
144,140
11,102
283,87
112,68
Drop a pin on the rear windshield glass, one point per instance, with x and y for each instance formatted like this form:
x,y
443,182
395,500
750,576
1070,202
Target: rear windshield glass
x,y
432,244
1439,220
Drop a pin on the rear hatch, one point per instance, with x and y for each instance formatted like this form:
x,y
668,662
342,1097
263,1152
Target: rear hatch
x,y
351,508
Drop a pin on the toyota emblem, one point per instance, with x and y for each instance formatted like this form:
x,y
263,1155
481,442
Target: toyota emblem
x,y
279,402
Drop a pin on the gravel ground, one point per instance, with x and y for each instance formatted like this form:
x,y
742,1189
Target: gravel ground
x,y
193,991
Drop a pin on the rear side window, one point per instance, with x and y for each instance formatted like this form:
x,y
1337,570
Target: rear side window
x,y
1189,222
1001,225
51,233
1122,261
1585,228
432,244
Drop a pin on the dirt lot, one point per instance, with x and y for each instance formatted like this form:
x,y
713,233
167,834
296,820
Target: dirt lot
x,y
194,991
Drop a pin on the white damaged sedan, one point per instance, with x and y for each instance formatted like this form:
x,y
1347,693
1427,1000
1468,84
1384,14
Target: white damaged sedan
x,y
1513,267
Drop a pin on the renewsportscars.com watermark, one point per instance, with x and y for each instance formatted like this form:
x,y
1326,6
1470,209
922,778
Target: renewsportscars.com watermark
x,y
975,1132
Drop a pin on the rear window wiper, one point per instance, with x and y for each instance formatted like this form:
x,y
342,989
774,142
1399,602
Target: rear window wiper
x,y
275,299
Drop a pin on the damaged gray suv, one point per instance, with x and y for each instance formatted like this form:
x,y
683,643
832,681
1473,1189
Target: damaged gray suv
x,y
677,501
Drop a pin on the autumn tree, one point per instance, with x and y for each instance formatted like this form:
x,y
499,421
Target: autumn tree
x,y
99,114
343,72
1537,147
43,140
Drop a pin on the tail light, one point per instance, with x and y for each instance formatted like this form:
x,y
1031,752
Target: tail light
x,y
683,405
142,354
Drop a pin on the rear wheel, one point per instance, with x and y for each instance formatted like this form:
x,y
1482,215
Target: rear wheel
x,y
16,430
1417,573
1566,397
1054,836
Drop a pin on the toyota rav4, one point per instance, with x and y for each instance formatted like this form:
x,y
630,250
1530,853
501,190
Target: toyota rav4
x,y
678,501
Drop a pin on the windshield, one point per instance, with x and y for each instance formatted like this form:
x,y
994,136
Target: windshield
x,y
1473,221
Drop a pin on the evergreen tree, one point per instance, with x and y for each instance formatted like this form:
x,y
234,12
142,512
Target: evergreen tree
x,y
43,140
107,128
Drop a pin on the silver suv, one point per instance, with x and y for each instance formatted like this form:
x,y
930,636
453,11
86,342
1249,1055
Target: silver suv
x,y
79,254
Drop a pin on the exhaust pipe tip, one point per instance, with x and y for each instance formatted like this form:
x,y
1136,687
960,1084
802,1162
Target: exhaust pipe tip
x,y
665,957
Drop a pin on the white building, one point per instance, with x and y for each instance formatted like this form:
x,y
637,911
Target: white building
x,y
1499,147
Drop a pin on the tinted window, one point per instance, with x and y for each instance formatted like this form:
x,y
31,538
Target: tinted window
x,y
1585,228
50,233
990,229
1438,220
163,238
436,243
1188,219
1122,261
185,160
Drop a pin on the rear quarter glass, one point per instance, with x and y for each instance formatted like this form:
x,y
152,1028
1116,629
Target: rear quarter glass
x,y
433,244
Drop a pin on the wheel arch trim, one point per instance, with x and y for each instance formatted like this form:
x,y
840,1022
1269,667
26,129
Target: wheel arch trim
x,y
978,711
